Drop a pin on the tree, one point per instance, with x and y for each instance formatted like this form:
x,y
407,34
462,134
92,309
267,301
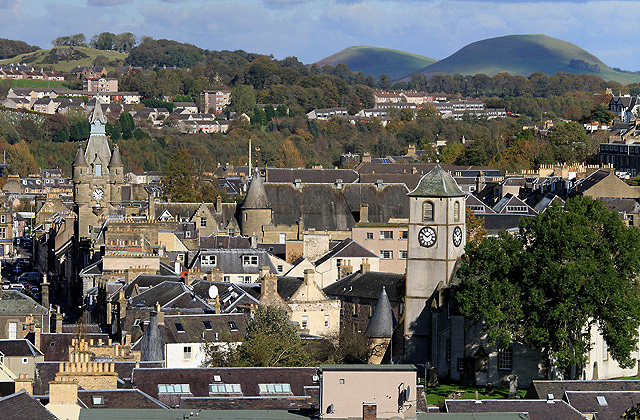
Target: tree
x,y
243,99
569,142
180,177
103,41
566,273
61,135
271,340
451,152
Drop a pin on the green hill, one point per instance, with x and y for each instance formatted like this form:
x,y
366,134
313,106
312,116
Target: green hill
x,y
66,58
376,61
524,55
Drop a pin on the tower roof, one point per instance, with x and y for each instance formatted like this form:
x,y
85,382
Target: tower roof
x,y
116,160
256,196
80,160
97,114
381,323
437,183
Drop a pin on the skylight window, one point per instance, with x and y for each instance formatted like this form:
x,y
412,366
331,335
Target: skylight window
x,y
179,327
207,325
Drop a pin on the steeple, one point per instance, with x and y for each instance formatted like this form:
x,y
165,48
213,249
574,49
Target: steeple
x,y
80,160
98,145
437,183
256,196
381,323
97,114
116,160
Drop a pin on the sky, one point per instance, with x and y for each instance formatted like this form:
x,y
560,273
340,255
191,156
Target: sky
x,y
314,29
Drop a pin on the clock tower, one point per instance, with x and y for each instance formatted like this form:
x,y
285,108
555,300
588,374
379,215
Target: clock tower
x,y
97,177
436,241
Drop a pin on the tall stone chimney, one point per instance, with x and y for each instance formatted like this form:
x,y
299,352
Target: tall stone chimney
x,y
364,213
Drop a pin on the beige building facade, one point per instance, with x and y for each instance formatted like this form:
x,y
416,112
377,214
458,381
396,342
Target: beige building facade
x,y
388,241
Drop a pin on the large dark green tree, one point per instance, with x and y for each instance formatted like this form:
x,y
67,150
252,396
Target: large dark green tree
x,y
566,273
271,340
180,177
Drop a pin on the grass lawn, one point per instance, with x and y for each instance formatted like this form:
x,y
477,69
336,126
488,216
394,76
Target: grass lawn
x,y
37,84
437,395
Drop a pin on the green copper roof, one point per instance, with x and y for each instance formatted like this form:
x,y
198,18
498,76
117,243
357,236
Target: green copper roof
x,y
437,183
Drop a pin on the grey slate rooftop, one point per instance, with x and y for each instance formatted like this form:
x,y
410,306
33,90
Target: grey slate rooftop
x,y
22,406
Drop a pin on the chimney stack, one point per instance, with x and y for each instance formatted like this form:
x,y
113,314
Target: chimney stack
x,y
364,213
159,314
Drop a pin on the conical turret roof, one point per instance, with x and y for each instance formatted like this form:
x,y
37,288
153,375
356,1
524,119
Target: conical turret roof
x,y
381,322
97,114
80,160
116,160
437,183
256,196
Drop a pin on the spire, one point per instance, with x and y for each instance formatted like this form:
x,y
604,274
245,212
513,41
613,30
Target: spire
x,y
256,196
381,323
437,183
97,114
80,160
116,160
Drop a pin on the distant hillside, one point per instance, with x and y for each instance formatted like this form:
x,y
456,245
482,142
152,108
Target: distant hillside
x,y
524,55
376,61
10,48
66,58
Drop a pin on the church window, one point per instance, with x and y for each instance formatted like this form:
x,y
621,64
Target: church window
x,y
456,211
427,211
98,170
505,359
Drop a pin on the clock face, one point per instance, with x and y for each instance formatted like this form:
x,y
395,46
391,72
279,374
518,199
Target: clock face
x,y
98,194
457,236
427,237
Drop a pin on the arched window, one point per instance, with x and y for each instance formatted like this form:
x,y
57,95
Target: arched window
x,y
456,211
427,211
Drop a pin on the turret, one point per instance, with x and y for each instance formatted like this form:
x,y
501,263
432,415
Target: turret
x,y
255,211
79,165
116,168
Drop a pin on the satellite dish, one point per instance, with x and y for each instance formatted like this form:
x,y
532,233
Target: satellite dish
x,y
330,409
213,292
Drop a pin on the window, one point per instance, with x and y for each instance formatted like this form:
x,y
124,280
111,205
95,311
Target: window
x,y
404,255
203,222
136,323
516,209
386,234
3,233
233,326
244,279
404,234
180,257
386,255
225,389
280,268
605,351
187,234
305,322
98,170
174,389
3,218
226,279
460,365
355,308
427,211
275,388
456,211
208,260
207,325
179,327
505,359
341,381
249,260
476,208
369,235
13,330
186,353
326,321
25,360
97,400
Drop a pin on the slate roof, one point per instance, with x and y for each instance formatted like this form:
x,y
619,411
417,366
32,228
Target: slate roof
x,y
381,322
546,201
249,378
225,241
495,223
318,176
622,205
233,297
256,195
348,248
12,348
437,183
230,260
328,207
537,409
116,160
13,302
591,180
604,405
286,287
540,389
169,294
230,414
119,398
368,285
195,329
22,406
